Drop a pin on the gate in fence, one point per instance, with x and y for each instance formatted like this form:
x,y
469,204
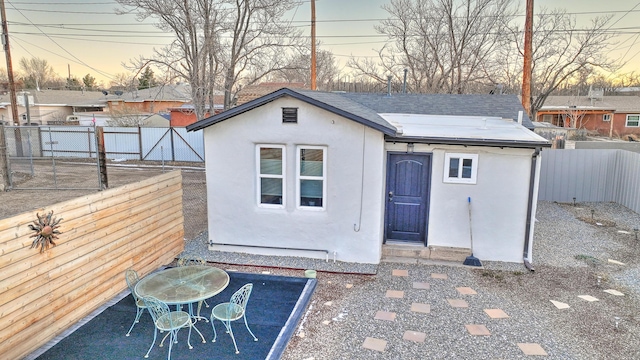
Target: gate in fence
x,y
153,144
54,157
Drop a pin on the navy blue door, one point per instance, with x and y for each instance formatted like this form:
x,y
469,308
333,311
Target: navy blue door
x,y
408,183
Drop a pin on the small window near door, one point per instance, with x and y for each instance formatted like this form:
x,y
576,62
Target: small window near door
x,y
311,177
606,117
460,168
271,174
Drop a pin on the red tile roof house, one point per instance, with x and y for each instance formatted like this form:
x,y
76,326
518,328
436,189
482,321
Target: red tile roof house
x,y
607,115
337,175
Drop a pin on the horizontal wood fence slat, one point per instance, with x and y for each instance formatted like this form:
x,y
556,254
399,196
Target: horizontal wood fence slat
x,y
138,226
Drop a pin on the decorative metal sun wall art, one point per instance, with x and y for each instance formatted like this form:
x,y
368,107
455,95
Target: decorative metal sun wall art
x,y
46,230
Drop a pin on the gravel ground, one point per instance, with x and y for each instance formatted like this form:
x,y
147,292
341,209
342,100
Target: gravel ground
x,y
570,252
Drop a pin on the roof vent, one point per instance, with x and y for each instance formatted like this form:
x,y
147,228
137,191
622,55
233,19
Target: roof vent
x,y
289,115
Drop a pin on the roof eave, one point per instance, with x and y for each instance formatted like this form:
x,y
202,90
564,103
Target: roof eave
x,y
519,144
276,95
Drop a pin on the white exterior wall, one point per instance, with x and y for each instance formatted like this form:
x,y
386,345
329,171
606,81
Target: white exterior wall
x,y
233,213
498,199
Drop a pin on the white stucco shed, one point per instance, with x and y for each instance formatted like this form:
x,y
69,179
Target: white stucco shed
x,y
305,173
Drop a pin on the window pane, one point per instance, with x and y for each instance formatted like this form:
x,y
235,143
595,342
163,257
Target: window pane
x,y
454,164
466,168
311,193
271,161
270,191
311,162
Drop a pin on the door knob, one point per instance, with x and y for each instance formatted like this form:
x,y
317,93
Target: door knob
x,y
390,195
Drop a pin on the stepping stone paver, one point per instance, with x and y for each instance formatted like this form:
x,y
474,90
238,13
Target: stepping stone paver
x,y
374,344
560,305
349,286
496,313
477,330
414,336
466,291
327,322
328,303
611,261
397,272
614,292
530,349
421,308
385,315
396,294
439,276
588,298
266,272
421,285
458,303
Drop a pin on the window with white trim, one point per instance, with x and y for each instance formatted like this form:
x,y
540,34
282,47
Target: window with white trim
x,y
460,168
606,117
633,120
271,175
311,177
547,118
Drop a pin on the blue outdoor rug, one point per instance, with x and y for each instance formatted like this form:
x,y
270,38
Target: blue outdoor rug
x,y
275,306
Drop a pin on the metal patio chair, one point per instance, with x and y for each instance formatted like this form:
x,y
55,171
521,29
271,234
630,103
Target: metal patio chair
x,y
167,320
233,310
132,279
193,261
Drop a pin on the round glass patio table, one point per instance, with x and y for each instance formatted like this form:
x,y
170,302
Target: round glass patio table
x,y
184,284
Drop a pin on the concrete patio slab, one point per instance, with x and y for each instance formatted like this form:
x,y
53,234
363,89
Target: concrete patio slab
x,y
439,276
421,285
477,330
560,305
398,272
588,298
421,308
385,315
532,349
466,291
458,303
414,336
496,313
396,294
374,344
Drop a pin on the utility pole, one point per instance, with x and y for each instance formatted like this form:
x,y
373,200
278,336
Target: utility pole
x,y
7,52
526,69
313,44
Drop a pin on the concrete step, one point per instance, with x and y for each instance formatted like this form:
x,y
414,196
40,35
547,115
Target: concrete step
x,y
410,251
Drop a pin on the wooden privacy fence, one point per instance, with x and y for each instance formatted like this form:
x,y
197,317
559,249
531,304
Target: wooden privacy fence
x,y
591,176
137,226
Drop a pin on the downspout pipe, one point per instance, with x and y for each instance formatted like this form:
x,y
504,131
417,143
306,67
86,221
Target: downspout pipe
x,y
527,233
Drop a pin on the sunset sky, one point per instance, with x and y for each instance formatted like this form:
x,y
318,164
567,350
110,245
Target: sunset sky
x,y
88,37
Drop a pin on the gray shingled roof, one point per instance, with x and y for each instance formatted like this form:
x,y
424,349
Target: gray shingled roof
x,y
67,97
616,103
505,106
365,107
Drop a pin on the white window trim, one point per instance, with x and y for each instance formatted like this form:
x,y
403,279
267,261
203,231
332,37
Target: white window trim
x,y
323,178
459,179
607,117
626,123
272,176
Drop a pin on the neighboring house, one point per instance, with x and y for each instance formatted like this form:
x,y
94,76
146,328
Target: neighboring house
x,y
185,115
149,101
51,106
301,173
608,115
252,92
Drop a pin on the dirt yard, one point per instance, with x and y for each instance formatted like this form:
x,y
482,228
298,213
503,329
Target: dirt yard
x,y
71,176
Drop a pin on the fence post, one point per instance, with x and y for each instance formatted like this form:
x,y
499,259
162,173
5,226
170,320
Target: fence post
x,y
4,162
102,158
140,142
173,149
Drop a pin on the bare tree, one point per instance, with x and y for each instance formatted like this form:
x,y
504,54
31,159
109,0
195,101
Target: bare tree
x,y
37,73
231,42
299,70
446,45
562,52
126,117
